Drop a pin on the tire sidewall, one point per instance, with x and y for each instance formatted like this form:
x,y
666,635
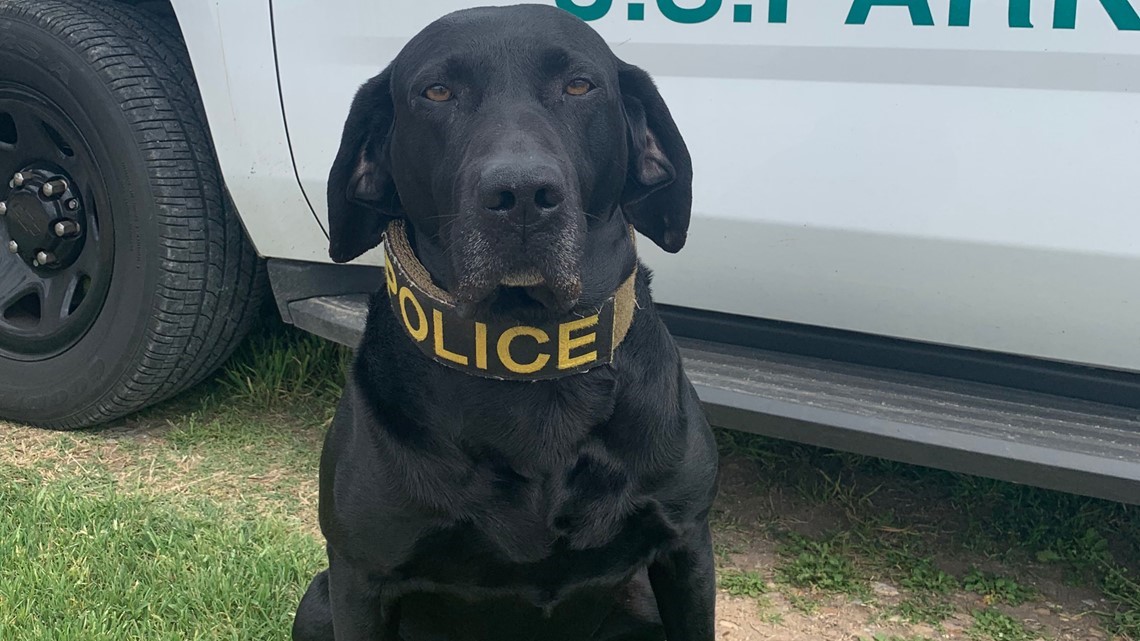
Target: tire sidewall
x,y
85,376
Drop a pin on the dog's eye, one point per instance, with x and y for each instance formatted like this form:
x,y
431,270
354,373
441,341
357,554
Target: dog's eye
x,y
579,87
437,93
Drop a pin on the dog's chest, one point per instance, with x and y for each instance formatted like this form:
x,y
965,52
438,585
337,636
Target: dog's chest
x,y
541,564
533,494
544,535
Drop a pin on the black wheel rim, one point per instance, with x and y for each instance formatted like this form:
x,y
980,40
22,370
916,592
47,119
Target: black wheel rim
x,y
56,235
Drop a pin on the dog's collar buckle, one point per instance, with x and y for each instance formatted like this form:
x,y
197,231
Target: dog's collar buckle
x,y
500,349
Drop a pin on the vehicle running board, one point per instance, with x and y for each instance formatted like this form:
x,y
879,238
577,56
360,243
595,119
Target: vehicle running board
x,y
988,430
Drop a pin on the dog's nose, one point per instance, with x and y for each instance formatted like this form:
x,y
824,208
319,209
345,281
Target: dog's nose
x,y
524,192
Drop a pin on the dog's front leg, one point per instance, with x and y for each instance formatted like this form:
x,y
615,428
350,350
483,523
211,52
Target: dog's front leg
x,y
684,584
359,609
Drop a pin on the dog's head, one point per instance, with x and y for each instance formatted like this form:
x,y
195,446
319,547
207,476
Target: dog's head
x,y
518,147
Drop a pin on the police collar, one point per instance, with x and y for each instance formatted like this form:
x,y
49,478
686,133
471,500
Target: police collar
x,y
500,348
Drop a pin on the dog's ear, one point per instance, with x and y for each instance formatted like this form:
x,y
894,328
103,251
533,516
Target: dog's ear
x,y
658,194
361,192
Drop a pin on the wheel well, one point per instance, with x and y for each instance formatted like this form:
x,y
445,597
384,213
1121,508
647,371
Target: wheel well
x,y
164,11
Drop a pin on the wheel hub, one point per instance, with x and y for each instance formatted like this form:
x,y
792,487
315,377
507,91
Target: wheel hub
x,y
56,231
44,218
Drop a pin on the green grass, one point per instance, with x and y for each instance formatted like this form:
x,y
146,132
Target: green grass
x,y
199,531
282,366
81,560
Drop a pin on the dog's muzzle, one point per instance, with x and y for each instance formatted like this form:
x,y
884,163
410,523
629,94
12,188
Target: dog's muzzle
x,y
499,348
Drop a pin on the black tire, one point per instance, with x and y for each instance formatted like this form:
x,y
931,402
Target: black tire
x,y
185,283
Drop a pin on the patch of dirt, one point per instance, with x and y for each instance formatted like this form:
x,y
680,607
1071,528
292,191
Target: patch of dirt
x,y
747,522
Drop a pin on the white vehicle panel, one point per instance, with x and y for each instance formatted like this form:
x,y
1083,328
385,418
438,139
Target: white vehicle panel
x,y
231,49
961,185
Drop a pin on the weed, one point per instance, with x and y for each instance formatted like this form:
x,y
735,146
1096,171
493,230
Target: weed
x,y
924,577
997,589
738,583
723,551
749,585
802,603
991,624
819,565
771,618
924,608
1125,592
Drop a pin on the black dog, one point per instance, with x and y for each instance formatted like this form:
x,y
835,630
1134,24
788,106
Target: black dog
x,y
518,453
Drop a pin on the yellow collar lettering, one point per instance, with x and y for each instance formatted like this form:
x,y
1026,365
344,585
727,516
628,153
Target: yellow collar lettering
x,y
499,349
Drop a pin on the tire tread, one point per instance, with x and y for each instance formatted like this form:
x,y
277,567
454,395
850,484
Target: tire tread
x,y
212,283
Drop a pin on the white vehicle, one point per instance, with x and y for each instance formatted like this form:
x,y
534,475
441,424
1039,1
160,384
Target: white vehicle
x,y
915,235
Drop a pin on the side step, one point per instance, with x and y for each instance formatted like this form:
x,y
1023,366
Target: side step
x,y
988,430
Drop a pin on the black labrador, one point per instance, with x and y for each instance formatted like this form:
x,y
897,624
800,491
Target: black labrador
x,y
518,453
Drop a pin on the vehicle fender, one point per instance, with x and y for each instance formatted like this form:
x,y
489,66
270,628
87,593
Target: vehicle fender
x,y
232,52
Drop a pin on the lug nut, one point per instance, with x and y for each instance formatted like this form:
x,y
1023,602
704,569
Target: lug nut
x,y
3,207
54,188
72,204
66,228
44,258
17,179
13,246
